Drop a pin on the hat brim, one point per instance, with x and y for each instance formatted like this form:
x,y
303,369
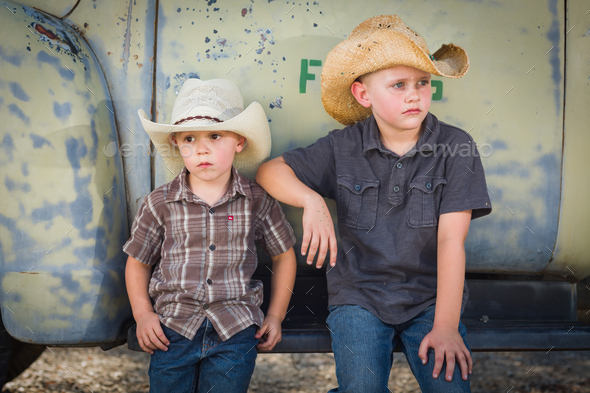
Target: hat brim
x,y
251,123
381,49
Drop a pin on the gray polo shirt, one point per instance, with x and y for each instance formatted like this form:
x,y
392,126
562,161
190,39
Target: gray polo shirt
x,y
388,209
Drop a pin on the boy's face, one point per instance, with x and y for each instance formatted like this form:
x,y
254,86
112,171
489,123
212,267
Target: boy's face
x,y
399,96
208,155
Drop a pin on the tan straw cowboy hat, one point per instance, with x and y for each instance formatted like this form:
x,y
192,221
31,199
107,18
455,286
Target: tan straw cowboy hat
x,y
377,43
213,105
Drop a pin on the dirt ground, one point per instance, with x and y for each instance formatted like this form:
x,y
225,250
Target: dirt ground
x,y
120,370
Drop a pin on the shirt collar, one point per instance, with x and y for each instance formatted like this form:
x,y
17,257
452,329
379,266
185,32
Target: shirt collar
x,y
179,190
426,141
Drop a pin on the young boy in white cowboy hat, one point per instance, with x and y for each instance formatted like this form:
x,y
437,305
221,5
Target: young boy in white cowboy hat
x,y
198,312
404,209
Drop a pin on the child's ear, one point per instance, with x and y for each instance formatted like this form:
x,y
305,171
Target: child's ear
x,y
359,91
172,139
241,144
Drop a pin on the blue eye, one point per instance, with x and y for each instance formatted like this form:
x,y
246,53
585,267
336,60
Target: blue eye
x,y
398,85
424,83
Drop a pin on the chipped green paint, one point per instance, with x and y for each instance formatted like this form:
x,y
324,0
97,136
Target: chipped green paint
x,y
305,75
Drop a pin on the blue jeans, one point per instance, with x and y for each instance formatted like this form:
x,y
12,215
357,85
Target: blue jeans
x,y
363,349
205,363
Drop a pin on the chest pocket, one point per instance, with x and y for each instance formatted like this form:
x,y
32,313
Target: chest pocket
x,y
424,201
357,202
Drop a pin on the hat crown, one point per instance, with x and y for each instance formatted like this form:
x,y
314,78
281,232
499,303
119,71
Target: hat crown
x,y
215,98
377,24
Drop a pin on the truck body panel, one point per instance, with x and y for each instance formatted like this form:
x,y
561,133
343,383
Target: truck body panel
x,y
76,163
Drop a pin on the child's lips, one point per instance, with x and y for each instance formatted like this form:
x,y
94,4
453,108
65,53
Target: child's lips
x,y
412,111
204,165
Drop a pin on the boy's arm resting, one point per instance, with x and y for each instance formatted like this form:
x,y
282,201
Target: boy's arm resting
x,y
444,337
279,180
149,332
284,268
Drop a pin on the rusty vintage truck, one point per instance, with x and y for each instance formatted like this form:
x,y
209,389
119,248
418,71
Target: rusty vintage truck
x,y
75,162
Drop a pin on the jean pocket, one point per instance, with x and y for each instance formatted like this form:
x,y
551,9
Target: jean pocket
x,y
357,201
424,201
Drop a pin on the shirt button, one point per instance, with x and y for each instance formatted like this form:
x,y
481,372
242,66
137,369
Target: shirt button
x,y
396,189
209,281
428,185
357,187
212,247
211,210
399,165
205,307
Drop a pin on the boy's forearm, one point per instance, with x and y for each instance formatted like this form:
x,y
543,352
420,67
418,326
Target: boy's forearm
x,y
284,269
279,180
450,281
137,279
452,232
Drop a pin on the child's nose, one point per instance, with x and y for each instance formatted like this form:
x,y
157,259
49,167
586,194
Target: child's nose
x,y
202,146
413,94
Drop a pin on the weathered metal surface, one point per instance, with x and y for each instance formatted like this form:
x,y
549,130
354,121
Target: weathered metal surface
x,y
511,100
121,35
63,211
58,8
572,250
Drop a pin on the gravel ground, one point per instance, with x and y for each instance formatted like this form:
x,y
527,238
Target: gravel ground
x,y
121,370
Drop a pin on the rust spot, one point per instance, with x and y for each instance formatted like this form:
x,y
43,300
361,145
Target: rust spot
x,y
139,65
244,12
135,57
85,25
109,53
42,30
29,273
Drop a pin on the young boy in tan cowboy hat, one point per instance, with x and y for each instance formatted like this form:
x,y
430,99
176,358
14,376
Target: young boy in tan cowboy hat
x,y
198,312
405,198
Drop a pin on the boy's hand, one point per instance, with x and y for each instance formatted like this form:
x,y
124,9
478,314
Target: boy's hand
x,y
150,335
269,334
447,343
318,231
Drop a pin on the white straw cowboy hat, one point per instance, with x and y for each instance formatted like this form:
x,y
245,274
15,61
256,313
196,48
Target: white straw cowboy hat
x,y
213,105
377,43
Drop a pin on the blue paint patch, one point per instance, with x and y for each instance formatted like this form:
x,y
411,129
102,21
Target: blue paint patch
x,y
8,145
17,91
514,168
12,59
22,243
12,185
207,40
76,150
51,92
499,145
49,211
94,135
39,141
62,111
24,168
553,35
44,57
16,111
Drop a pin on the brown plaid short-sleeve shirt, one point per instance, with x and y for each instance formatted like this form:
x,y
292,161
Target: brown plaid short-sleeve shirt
x,y
205,256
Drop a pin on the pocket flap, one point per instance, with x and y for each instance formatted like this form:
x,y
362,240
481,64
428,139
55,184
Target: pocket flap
x,y
356,186
427,184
